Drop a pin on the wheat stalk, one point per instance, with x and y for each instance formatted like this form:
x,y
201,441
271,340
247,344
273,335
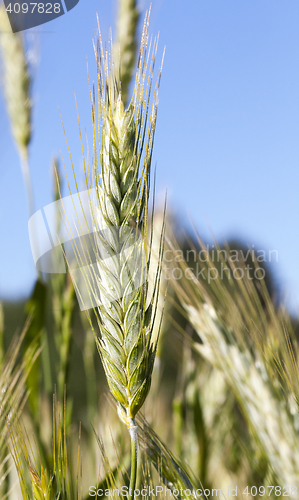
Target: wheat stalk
x,y
118,283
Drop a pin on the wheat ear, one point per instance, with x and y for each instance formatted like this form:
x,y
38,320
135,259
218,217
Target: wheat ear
x,y
16,87
123,145
126,319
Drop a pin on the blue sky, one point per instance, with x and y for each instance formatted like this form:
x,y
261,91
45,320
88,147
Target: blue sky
x,y
227,139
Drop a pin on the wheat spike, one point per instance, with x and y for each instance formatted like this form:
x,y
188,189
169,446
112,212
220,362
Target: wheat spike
x,y
122,153
118,281
126,345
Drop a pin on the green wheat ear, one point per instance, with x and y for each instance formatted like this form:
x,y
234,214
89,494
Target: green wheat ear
x,y
117,283
126,348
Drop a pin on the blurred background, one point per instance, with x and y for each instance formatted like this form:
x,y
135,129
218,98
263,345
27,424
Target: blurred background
x,y
226,146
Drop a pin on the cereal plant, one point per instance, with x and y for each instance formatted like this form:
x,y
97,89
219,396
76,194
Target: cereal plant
x,y
128,379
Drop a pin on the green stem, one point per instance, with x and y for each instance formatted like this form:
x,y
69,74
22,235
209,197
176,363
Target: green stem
x,y
133,434
27,181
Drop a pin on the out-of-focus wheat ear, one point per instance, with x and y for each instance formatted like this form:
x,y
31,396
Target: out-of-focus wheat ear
x,y
125,48
256,361
16,87
16,82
